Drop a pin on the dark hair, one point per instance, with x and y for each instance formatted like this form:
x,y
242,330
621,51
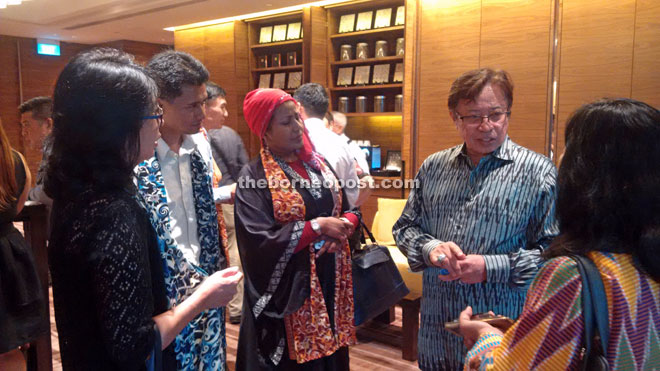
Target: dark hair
x,y
609,183
172,70
214,90
313,98
8,186
41,107
470,84
99,101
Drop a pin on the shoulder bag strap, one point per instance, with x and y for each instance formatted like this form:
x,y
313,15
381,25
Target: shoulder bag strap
x,y
594,306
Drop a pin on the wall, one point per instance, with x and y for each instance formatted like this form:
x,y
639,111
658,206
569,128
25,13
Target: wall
x,y
38,77
609,50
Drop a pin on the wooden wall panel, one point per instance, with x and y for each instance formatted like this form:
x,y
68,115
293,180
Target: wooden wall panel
x,y
410,96
9,95
646,58
448,45
191,41
515,36
596,55
316,44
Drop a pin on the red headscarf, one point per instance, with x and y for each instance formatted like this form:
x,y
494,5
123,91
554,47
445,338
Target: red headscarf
x,y
258,108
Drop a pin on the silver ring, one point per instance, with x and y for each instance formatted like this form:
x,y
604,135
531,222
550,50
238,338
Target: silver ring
x,y
440,258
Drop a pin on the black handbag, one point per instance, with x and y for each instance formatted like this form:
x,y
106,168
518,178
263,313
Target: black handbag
x,y
594,311
377,283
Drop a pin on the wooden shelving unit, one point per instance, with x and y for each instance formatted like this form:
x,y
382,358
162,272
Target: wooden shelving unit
x,y
371,36
281,48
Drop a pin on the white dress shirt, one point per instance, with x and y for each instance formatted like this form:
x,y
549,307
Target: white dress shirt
x,y
177,176
357,152
338,155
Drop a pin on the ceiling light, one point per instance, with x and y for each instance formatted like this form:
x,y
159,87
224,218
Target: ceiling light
x,y
255,15
13,2
3,4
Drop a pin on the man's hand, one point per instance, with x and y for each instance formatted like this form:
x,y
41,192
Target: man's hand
x,y
447,256
473,269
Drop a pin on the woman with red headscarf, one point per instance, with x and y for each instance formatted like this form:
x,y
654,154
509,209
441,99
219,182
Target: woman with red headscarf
x,y
292,227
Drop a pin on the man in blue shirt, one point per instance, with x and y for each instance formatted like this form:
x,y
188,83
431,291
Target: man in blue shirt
x,y
479,219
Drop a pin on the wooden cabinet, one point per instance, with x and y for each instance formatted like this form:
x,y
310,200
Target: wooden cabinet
x,y
375,82
278,60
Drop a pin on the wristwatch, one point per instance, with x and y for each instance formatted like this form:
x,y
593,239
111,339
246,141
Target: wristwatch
x,y
316,227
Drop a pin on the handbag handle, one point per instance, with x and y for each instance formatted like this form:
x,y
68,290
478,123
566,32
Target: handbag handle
x,y
364,228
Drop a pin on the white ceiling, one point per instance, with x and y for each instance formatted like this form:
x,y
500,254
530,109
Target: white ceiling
x,y
98,21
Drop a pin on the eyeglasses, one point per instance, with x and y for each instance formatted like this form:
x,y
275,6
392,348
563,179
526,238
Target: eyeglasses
x,y
158,117
494,118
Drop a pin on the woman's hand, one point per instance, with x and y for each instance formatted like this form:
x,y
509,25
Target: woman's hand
x,y
335,228
330,246
220,287
472,330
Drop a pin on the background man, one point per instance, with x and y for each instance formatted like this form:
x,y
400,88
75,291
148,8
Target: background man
x,y
230,156
176,185
314,103
36,124
480,218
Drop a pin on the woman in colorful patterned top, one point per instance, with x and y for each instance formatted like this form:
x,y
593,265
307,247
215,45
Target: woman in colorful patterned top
x,y
298,300
609,210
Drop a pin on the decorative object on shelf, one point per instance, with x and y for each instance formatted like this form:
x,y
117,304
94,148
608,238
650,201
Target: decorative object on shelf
x,y
379,103
383,18
360,104
278,80
364,21
362,75
380,49
291,58
279,32
400,47
362,51
276,60
293,32
264,81
262,61
398,73
381,74
295,79
266,35
393,161
345,52
398,103
342,104
345,76
347,23
400,16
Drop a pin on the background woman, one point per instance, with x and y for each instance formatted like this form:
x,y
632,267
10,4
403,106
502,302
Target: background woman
x,y
298,301
23,313
110,302
609,210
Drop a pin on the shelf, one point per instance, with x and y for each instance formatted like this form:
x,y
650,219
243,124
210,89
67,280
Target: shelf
x,y
367,87
276,44
371,114
279,69
375,31
357,62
